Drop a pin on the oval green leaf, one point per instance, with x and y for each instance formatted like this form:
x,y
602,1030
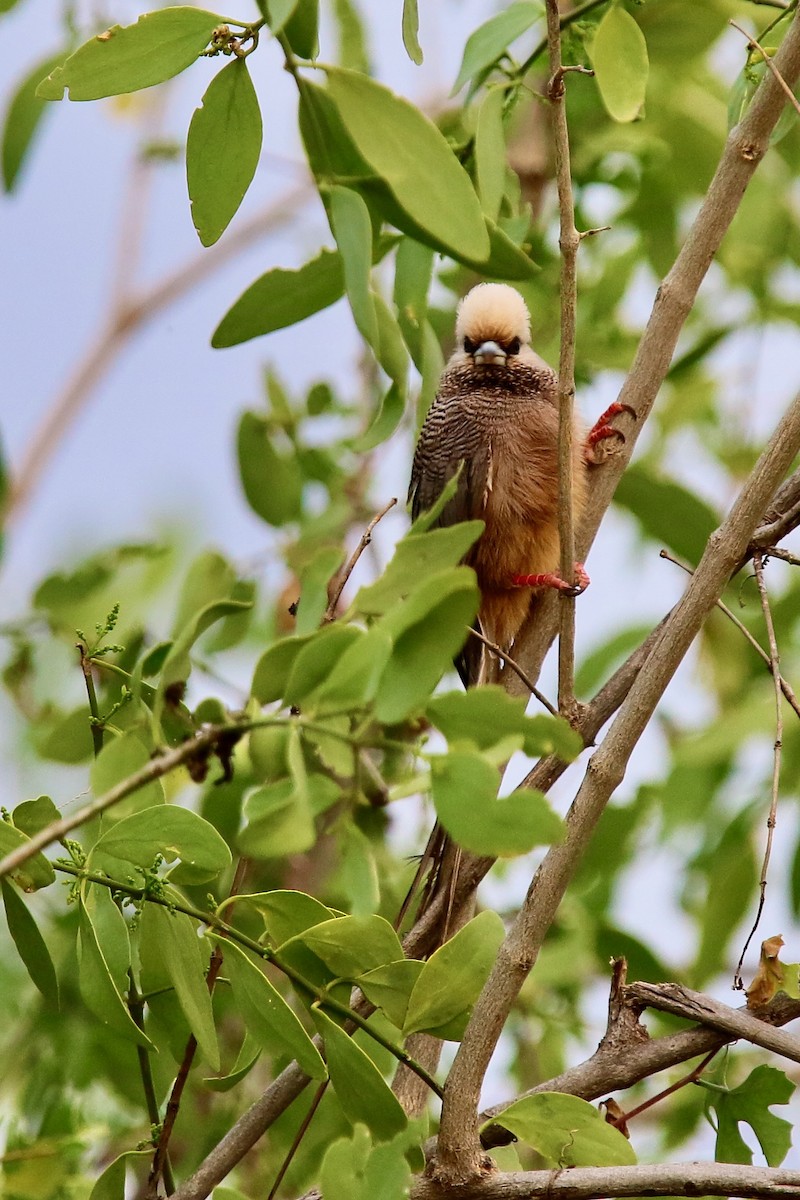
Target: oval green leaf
x,y
413,158
30,944
620,62
280,298
349,946
359,1086
266,1014
489,41
126,59
222,150
452,978
169,830
272,482
465,794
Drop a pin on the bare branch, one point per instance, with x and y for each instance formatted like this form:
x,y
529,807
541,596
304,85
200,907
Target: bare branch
x,y
500,653
786,688
772,818
339,581
695,1006
569,241
595,1183
460,1156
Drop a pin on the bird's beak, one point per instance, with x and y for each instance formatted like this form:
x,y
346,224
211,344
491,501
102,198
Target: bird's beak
x,y
489,352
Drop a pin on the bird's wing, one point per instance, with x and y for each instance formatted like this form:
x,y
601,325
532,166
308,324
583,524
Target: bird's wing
x,y
451,435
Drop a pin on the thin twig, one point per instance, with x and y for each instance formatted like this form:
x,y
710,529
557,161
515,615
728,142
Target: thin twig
x,y
752,44
297,1139
515,667
339,581
95,725
161,1156
784,555
785,687
623,1118
136,1009
569,241
775,668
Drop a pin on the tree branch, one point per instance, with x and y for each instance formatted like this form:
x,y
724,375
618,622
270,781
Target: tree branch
x,y
597,1183
568,241
746,145
695,1006
460,1155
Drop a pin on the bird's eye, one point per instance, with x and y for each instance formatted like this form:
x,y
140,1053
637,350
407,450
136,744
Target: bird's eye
x,y
469,345
513,346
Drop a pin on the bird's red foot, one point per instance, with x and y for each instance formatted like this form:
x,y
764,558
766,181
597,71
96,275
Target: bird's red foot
x,y
551,580
602,429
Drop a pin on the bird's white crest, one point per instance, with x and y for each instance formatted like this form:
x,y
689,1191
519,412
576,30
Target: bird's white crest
x,y
493,312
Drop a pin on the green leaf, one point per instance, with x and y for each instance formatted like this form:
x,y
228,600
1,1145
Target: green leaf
x,y
490,152
182,956
120,758
412,278
486,716
100,992
411,31
301,29
177,664
111,1184
23,116
272,482
316,661
288,913
465,794
620,62
354,678
389,987
391,349
667,511
427,630
566,1131
222,150
360,1088
274,668
30,944
453,977
353,1169
314,577
169,830
750,1102
279,821
32,816
68,739
125,59
352,229
489,41
279,12
388,417
36,872
280,298
246,1059
417,558
266,1014
414,160
349,946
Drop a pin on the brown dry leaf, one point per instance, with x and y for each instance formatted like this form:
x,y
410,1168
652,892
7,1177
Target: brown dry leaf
x,y
769,977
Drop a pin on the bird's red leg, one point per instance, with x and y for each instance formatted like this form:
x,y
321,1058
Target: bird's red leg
x,y
602,428
551,580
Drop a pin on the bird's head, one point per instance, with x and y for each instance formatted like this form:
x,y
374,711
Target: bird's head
x,y
493,327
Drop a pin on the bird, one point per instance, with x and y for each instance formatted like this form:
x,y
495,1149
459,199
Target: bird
x,y
494,422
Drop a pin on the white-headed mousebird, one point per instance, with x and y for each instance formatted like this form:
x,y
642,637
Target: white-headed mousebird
x,y
495,417
496,412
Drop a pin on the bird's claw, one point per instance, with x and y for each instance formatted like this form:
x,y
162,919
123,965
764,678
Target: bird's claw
x,y
602,428
549,579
